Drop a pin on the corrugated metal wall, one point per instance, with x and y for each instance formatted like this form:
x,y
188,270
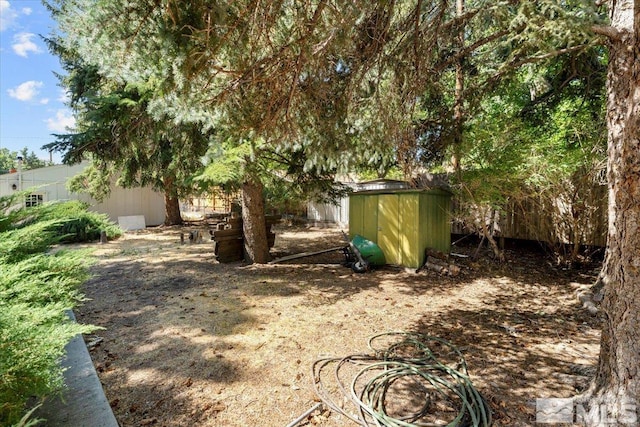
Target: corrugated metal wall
x,y
131,201
330,213
50,181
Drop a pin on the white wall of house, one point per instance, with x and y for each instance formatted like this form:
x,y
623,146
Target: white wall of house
x,y
51,184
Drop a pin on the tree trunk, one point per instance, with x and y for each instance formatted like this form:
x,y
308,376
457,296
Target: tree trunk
x,y
171,204
172,210
458,112
253,221
615,392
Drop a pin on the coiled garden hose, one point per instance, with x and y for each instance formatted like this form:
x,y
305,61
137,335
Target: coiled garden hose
x,y
415,380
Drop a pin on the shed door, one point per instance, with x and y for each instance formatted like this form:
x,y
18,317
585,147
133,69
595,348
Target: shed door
x,y
363,216
389,227
410,252
356,215
370,217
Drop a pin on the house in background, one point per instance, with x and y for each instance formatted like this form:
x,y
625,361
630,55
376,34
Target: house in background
x,y
50,184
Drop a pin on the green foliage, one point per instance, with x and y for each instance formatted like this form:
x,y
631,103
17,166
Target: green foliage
x,y
390,172
121,134
541,141
339,85
7,160
37,287
26,420
540,127
287,190
8,211
42,279
354,82
38,227
93,180
226,165
31,345
29,160
74,223
20,243
288,182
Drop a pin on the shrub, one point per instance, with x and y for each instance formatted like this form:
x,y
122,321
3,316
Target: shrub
x,y
20,243
73,222
32,343
43,279
37,288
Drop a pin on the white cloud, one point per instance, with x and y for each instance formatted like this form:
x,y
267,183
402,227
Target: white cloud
x,y
27,11
44,101
26,91
23,44
64,96
7,15
62,122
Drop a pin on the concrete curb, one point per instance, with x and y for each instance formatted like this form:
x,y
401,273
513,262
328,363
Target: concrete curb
x,y
83,403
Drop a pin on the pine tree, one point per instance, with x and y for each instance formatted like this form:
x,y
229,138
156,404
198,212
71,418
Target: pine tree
x,y
124,140
617,383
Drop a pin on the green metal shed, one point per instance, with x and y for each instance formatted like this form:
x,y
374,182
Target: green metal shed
x,y
402,222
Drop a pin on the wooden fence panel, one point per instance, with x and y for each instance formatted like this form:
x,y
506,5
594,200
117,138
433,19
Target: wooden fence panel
x,y
563,222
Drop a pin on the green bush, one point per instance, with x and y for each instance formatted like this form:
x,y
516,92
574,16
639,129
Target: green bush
x,y
37,288
32,343
20,243
43,279
73,222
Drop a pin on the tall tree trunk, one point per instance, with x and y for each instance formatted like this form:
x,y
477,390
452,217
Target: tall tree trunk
x,y
616,386
171,204
253,221
458,111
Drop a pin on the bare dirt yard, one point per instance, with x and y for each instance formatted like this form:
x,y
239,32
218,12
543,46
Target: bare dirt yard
x,y
188,341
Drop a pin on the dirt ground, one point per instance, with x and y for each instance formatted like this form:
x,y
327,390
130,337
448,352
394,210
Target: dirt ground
x,y
188,341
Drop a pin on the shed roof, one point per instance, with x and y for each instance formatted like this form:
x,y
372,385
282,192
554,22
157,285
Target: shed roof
x,y
434,191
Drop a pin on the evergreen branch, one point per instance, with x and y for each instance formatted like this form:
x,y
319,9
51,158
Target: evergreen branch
x,y
517,63
467,50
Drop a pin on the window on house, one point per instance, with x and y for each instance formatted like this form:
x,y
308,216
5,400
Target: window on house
x,y
32,200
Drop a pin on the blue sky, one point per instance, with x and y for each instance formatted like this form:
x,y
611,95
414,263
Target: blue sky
x,y
31,101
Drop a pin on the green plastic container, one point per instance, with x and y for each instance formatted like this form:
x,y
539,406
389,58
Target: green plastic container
x,y
369,251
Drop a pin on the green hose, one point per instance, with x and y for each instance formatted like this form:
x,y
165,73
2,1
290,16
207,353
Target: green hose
x,y
410,363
